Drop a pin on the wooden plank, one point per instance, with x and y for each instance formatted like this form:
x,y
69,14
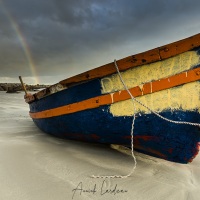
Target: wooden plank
x,y
179,47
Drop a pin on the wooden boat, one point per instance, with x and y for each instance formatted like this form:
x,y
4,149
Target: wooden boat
x,y
94,106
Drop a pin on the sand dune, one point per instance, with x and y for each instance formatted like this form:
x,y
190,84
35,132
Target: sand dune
x,y
34,165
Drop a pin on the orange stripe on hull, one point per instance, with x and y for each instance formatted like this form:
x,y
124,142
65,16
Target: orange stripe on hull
x,y
148,88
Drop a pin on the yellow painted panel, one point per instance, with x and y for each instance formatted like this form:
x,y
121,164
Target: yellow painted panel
x,y
186,97
154,71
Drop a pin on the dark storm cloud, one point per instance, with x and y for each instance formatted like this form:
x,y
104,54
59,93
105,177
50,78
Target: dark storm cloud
x,y
67,36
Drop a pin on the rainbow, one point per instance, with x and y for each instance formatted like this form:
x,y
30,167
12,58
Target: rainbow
x,y
23,42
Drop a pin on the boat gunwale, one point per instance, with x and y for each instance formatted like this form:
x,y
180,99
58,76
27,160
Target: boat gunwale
x,y
147,57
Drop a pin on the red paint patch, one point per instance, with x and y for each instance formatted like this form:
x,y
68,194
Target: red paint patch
x,y
144,137
170,150
195,152
94,136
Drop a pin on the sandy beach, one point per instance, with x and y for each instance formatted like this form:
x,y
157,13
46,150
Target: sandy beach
x,y
34,165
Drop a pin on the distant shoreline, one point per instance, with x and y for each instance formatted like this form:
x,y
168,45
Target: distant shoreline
x,y
16,87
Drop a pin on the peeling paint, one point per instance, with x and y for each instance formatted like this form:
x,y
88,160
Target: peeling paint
x,y
111,95
56,88
141,88
106,84
184,97
154,71
151,87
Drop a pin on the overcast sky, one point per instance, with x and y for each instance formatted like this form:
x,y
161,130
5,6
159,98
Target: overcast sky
x,y
48,40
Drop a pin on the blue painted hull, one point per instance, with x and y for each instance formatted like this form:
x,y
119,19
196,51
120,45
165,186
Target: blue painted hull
x,y
152,135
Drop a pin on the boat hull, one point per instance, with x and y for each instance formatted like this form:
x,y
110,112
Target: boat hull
x,y
152,135
111,124
100,110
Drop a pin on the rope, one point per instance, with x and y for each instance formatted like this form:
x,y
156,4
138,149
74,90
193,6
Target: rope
x,y
134,158
154,112
132,129
132,126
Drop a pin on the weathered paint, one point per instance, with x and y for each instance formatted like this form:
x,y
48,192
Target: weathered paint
x,y
69,96
152,135
154,71
111,98
185,97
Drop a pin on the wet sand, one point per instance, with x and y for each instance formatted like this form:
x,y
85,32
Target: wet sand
x,y
34,165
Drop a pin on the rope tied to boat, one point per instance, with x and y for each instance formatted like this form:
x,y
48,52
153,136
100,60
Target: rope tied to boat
x,y
132,127
132,130
154,112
